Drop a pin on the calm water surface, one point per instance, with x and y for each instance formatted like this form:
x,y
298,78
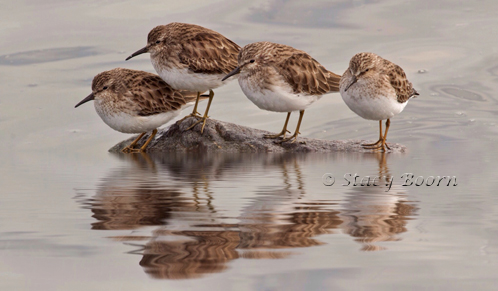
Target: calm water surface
x,y
75,217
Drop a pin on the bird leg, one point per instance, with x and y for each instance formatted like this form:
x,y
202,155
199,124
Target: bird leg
x,y
380,137
130,148
296,133
152,135
205,117
194,113
284,130
383,145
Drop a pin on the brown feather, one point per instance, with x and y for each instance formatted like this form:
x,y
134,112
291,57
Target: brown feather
x,y
275,63
200,49
143,93
306,75
302,72
404,88
394,75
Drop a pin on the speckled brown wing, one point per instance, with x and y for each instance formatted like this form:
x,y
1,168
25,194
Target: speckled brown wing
x,y
209,52
150,95
404,88
306,75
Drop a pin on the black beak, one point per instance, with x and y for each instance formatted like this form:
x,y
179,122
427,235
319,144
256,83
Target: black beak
x,y
139,52
87,98
234,72
354,81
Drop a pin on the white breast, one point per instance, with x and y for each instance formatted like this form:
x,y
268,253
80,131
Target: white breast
x,y
278,98
371,104
126,123
185,79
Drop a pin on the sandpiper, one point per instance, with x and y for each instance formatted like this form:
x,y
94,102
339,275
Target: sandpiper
x,y
375,89
132,101
280,78
190,57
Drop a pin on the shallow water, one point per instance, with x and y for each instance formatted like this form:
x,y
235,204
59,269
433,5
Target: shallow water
x,y
75,217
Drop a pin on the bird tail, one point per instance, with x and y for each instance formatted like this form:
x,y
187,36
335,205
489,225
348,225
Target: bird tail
x,y
414,93
333,82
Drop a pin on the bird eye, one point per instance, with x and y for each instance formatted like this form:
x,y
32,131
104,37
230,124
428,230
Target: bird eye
x,y
158,41
251,61
105,88
367,70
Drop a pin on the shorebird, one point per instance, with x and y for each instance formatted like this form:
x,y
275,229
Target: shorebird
x,y
131,101
375,89
280,78
191,57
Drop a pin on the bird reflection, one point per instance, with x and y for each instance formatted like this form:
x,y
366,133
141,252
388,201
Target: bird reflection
x,y
190,255
281,218
272,222
197,234
372,214
128,197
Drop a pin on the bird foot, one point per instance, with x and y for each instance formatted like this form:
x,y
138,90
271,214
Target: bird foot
x,y
372,144
281,134
193,114
376,146
293,138
201,119
131,150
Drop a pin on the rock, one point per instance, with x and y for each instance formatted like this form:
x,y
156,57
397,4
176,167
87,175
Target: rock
x,y
222,136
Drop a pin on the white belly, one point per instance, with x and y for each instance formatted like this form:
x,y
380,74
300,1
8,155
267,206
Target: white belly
x,y
184,79
374,108
277,98
127,123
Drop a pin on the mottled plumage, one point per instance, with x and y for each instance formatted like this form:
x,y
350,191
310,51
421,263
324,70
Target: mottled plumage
x,y
281,78
190,57
375,89
197,48
139,93
132,101
299,70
